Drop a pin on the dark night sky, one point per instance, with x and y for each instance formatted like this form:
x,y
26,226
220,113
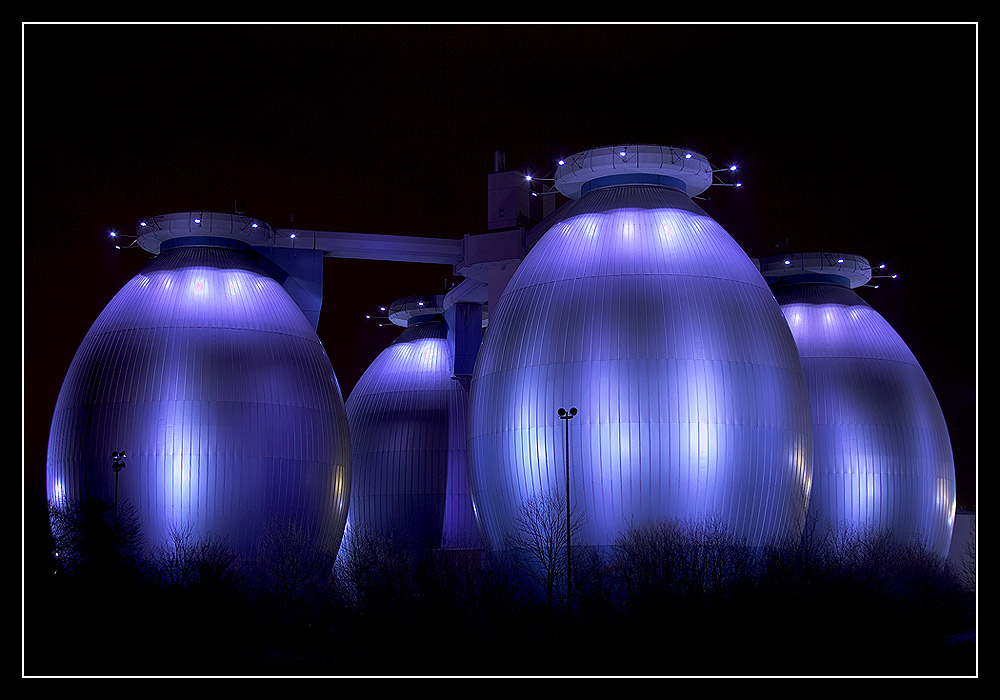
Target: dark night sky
x,y
852,138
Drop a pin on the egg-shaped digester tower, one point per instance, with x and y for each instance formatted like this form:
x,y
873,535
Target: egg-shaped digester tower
x,y
639,310
882,457
208,376
408,416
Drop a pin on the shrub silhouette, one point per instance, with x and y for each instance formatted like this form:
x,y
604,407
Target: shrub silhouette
x,y
669,598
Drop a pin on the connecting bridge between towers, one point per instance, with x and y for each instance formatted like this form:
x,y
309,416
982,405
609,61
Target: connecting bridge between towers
x,y
486,261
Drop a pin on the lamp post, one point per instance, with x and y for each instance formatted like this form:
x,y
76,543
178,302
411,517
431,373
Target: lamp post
x,y
118,463
567,416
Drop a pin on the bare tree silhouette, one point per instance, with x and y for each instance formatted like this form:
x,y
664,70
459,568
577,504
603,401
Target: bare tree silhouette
x,y
539,538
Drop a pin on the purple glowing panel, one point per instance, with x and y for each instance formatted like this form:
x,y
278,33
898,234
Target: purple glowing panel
x,y
206,373
638,309
408,435
882,456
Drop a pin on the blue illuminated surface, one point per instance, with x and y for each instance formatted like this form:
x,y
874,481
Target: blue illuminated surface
x,y
640,310
883,457
408,428
208,375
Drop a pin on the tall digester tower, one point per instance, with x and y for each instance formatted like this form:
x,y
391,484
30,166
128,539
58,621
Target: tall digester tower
x,y
639,310
882,456
408,416
210,378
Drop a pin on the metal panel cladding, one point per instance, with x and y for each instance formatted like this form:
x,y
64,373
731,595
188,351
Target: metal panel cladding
x,y
206,373
882,455
408,439
638,309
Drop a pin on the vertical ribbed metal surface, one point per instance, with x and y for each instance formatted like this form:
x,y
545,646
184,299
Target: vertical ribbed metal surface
x,y
882,455
641,311
408,428
208,375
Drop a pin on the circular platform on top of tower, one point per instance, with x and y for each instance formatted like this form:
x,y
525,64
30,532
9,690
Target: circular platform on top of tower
x,y
202,228
608,166
842,268
407,310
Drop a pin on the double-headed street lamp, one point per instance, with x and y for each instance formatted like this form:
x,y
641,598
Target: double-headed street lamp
x,y
567,416
118,463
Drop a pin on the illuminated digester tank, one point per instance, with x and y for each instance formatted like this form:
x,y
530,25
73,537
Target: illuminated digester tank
x,y
408,416
882,456
206,373
639,310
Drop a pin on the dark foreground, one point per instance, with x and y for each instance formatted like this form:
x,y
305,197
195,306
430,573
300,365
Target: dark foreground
x,y
661,604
